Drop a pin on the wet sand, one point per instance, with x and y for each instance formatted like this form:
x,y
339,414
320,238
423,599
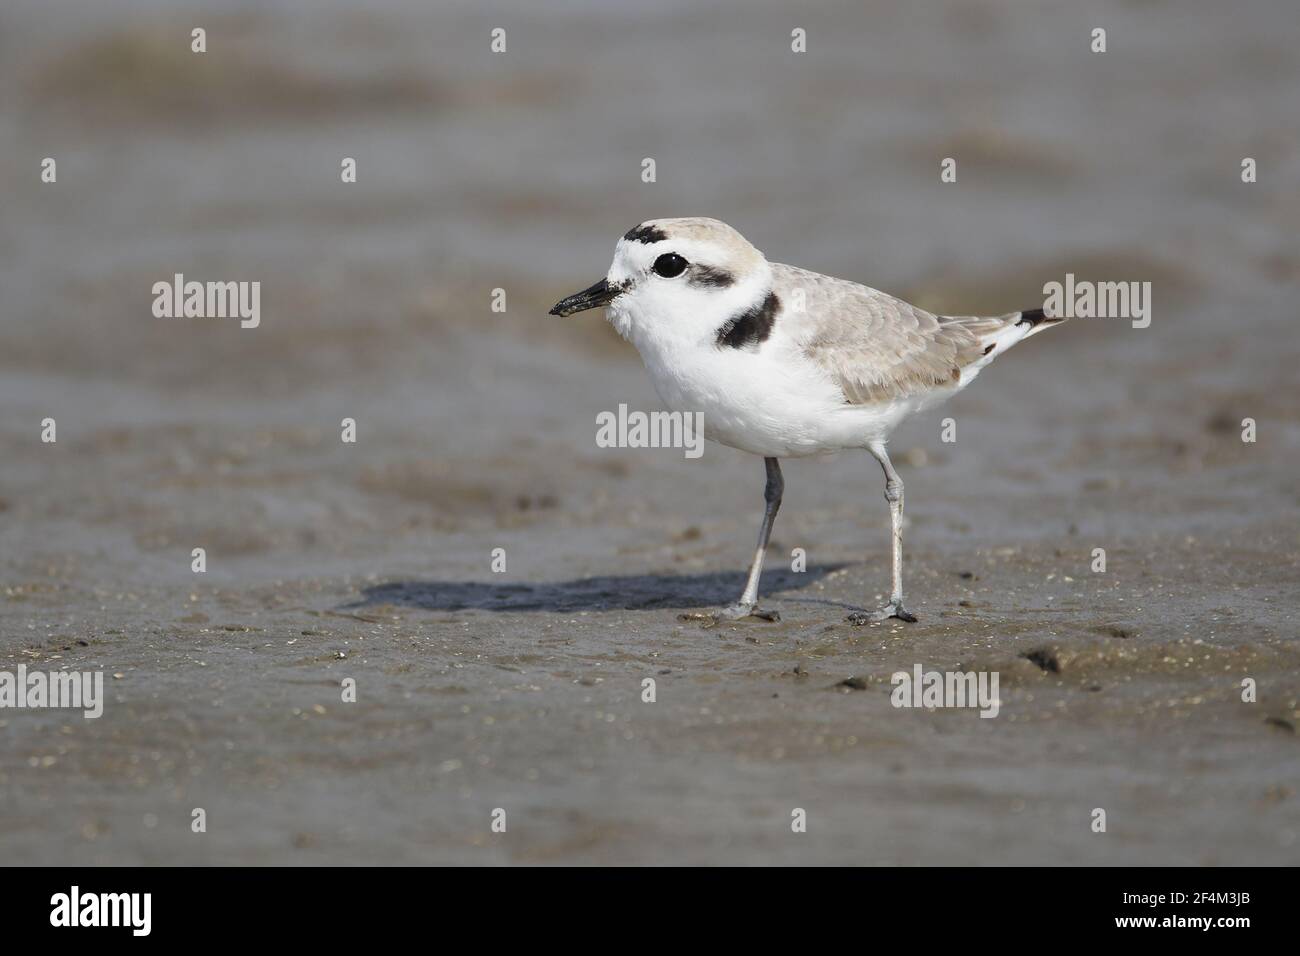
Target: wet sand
x,y
476,430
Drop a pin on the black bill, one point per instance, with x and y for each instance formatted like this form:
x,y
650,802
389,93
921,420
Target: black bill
x,y
602,293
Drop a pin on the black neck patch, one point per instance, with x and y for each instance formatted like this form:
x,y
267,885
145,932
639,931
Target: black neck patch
x,y
751,327
646,234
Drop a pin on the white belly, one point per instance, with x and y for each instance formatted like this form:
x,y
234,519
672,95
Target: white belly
x,y
767,403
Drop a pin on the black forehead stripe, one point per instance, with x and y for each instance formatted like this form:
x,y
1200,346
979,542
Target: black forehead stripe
x,y
646,234
710,277
751,327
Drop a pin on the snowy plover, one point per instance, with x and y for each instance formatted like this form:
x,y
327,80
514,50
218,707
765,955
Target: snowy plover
x,y
783,362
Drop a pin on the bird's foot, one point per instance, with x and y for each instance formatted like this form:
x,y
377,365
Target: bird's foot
x,y
892,609
734,612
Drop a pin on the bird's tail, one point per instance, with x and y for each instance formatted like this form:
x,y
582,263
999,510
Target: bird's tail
x,y
995,334
1035,319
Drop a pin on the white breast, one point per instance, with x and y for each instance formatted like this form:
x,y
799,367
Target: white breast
x,y
768,401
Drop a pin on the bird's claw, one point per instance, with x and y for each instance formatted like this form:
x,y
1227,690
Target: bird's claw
x,y
734,612
892,609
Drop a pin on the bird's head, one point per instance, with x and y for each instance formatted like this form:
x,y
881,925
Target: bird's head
x,y
681,276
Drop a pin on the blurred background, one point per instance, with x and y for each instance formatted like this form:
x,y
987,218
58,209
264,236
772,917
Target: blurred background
x,y
519,170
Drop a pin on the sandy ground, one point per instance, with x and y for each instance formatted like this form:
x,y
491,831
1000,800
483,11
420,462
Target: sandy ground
x,y
523,690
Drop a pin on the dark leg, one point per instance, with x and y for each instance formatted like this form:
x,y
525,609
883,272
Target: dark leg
x,y
747,606
894,495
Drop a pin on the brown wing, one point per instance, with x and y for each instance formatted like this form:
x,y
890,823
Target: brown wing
x,y
875,347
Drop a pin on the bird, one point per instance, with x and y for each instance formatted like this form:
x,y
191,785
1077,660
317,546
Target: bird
x,y
783,362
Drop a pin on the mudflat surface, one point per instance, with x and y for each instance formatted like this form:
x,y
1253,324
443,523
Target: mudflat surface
x,y
522,690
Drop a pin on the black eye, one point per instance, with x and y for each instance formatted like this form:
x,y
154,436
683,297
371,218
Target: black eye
x,y
669,265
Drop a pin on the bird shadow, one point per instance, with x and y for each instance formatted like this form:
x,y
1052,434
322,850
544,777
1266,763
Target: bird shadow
x,y
632,592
